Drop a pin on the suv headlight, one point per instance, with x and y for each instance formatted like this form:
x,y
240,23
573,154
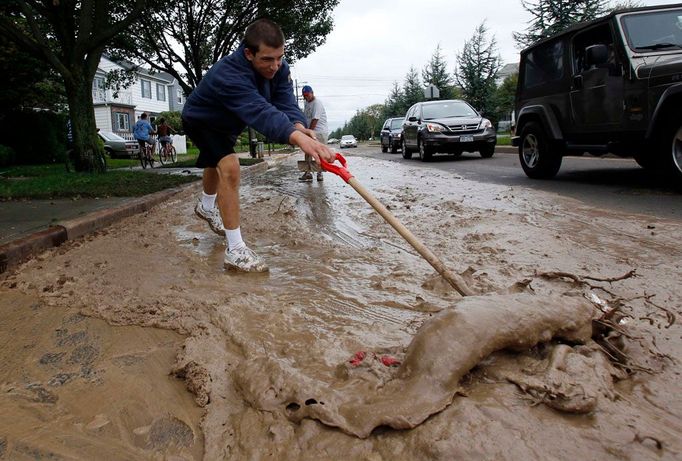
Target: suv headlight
x,y
485,124
435,128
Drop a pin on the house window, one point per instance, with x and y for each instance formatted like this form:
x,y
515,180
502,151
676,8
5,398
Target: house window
x,y
146,89
160,92
179,95
121,121
98,91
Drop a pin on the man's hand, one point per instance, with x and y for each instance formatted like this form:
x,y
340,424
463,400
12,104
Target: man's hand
x,y
311,147
308,132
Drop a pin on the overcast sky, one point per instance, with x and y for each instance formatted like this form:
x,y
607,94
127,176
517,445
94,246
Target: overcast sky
x,y
374,43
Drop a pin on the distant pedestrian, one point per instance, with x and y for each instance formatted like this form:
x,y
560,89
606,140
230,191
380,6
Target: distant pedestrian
x,y
316,117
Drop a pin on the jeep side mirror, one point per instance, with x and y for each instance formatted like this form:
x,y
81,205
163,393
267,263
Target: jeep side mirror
x,y
412,119
596,55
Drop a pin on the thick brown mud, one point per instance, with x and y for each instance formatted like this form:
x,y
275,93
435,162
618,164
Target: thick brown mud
x,y
135,344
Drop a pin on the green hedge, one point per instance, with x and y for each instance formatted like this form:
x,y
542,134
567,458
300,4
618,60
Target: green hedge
x,y
7,156
35,136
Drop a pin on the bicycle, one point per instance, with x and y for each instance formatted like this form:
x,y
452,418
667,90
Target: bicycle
x,y
146,156
167,153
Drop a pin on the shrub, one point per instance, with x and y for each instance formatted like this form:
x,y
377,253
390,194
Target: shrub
x,y
35,136
7,156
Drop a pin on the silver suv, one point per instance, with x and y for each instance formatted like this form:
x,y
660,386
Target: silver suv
x,y
451,126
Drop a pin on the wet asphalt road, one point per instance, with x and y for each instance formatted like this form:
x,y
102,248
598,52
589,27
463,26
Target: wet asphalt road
x,y
612,183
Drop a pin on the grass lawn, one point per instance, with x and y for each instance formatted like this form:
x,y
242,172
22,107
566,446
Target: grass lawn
x,y
504,140
52,181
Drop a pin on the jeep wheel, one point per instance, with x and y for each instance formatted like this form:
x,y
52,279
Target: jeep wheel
x,y
384,149
487,151
407,154
676,151
425,153
534,153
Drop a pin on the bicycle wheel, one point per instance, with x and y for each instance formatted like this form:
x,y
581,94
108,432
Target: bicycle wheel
x,y
173,154
142,158
150,158
163,159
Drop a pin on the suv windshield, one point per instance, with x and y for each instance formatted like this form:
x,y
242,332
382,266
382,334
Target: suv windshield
x,y
659,30
397,123
447,110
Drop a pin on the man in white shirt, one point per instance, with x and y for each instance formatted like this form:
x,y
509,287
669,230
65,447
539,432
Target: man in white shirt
x,y
317,121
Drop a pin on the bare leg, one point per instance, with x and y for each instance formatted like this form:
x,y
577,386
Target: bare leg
x,y
228,175
210,181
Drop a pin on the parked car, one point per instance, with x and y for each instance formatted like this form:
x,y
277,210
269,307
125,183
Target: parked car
x,y
450,126
392,135
116,146
610,85
332,141
348,140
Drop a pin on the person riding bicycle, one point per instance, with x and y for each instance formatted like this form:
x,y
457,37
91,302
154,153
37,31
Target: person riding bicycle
x,y
164,130
143,131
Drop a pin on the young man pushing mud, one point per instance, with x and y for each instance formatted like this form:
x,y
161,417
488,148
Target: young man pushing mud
x,y
253,87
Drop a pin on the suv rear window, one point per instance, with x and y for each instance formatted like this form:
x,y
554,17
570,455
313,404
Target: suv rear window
x,y
544,64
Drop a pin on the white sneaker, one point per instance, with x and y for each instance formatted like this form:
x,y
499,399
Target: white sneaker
x,y
212,217
244,260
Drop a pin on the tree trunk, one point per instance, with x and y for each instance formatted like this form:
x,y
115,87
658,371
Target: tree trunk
x,y
88,152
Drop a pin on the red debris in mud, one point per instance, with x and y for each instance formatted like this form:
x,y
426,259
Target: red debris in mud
x,y
358,358
390,361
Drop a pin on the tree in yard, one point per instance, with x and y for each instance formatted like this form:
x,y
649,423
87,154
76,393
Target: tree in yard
x,y
477,67
413,90
185,37
70,36
505,95
550,17
395,103
27,82
436,73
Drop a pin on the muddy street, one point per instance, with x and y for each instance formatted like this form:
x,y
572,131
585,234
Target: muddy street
x,y
134,343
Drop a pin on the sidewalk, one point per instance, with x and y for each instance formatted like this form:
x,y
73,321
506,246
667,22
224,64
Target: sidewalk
x,y
28,227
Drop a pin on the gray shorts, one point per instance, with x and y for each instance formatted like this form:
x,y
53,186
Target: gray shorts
x,y
322,136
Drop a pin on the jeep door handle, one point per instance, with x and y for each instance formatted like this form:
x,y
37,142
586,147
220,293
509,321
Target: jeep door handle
x,y
578,82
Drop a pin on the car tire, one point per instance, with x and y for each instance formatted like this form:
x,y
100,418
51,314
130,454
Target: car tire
x,y
407,153
671,149
487,151
537,160
384,149
425,153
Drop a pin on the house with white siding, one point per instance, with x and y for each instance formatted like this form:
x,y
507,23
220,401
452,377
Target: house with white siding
x,y
117,111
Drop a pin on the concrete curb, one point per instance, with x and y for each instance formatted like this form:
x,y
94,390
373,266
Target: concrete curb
x,y
506,150
22,249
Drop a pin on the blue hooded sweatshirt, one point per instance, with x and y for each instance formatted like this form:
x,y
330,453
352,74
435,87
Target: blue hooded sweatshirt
x,y
233,95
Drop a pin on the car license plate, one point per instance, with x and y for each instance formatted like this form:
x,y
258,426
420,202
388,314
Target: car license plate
x,y
466,139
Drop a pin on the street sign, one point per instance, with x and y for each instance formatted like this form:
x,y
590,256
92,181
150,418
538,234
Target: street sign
x,y
431,92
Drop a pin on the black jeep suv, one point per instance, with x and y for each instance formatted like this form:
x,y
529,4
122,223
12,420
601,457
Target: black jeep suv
x,y
610,85
392,134
450,126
